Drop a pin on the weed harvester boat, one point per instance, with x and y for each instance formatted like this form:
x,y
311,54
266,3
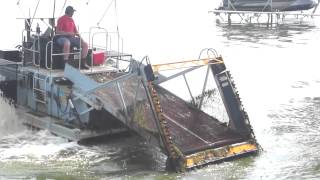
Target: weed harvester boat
x,y
120,94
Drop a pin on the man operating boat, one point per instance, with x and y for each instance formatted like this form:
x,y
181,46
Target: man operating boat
x,y
68,36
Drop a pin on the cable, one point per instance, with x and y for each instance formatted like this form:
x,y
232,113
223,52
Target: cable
x,y
104,13
23,15
35,11
64,5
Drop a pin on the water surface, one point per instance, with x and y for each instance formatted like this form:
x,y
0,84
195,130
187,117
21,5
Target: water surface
x,y
276,70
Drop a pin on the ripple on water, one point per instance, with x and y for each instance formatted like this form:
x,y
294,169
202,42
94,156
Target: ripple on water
x,y
293,143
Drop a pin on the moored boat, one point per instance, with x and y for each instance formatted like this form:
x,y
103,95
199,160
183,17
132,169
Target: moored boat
x,y
268,5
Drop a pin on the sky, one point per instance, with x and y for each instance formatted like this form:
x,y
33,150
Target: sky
x,y
164,30
162,25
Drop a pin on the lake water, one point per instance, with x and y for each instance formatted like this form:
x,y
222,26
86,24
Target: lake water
x,y
276,70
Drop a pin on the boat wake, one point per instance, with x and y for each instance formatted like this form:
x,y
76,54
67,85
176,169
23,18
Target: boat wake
x,y
19,143
34,152
9,121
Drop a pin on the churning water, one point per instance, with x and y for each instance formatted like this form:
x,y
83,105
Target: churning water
x,y
276,70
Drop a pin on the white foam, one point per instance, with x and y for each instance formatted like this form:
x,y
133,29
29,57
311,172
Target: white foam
x,y
28,145
9,121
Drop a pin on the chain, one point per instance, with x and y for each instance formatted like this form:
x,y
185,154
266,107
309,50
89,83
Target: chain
x,y
243,111
163,123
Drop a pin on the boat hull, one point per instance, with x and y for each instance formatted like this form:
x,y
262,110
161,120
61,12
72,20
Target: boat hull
x,y
268,6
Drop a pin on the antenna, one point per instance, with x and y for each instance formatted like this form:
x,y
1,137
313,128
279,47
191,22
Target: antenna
x,y
54,8
53,26
115,9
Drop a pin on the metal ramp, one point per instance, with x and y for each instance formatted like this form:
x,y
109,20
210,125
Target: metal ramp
x,y
192,129
187,135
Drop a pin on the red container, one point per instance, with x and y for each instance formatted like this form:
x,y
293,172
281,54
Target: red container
x,y
98,57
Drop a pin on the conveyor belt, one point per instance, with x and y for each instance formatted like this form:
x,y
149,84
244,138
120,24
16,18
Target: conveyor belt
x,y
192,129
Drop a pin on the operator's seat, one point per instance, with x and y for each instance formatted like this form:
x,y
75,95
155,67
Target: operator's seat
x,y
58,61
